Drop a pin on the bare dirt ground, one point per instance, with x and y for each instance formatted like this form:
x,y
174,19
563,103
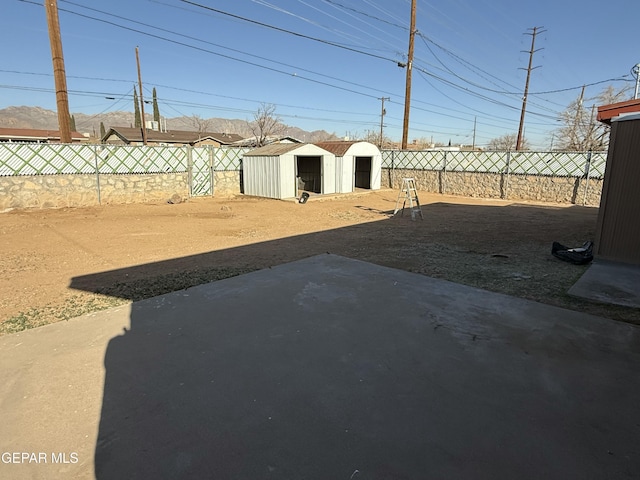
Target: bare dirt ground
x,y
151,249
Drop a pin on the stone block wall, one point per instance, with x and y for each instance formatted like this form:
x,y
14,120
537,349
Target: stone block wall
x,y
54,191
540,188
227,183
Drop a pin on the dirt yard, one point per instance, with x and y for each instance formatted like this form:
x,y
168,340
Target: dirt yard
x,y
119,253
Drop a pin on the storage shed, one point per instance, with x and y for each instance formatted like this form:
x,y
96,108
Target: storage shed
x,y
280,170
358,165
618,228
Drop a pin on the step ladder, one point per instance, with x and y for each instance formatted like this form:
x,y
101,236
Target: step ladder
x,y
410,194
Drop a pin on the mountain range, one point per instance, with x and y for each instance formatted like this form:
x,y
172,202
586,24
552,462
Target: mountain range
x,y
41,118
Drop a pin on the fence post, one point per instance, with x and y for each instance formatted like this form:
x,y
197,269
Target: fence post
x,y
443,183
190,169
587,169
212,170
505,194
392,172
95,161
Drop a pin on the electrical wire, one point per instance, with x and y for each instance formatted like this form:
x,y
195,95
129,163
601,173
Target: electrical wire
x,y
290,32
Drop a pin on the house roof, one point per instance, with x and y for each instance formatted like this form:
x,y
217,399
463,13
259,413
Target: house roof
x,y
607,112
17,134
274,149
252,141
129,134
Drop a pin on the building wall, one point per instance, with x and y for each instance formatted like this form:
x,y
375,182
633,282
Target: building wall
x,y
618,229
328,174
261,176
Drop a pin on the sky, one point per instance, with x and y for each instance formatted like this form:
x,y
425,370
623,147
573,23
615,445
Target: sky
x,y
326,64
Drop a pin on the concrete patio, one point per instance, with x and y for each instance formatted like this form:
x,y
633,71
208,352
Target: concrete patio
x,y
325,368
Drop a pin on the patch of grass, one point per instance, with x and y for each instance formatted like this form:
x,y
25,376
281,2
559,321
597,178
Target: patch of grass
x,y
114,295
149,287
23,321
71,307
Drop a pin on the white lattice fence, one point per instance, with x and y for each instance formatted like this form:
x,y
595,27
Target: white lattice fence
x,y
46,159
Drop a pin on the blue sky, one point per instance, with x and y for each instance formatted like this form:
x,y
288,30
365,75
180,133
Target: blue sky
x,y
470,57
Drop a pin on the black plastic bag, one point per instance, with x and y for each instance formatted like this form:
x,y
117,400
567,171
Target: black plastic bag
x,y
578,256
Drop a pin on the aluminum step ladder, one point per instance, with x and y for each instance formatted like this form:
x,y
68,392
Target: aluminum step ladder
x,y
409,193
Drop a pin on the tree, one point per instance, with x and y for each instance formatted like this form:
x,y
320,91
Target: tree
x,y
72,123
266,124
507,142
200,125
156,109
581,131
136,109
103,132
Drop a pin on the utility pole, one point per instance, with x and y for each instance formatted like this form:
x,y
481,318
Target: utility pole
x,y
526,86
577,121
383,112
636,72
60,78
407,95
144,125
591,137
473,145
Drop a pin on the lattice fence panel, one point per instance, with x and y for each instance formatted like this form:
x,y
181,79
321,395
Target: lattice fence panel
x,y
413,160
123,159
493,162
598,164
558,164
45,159
228,159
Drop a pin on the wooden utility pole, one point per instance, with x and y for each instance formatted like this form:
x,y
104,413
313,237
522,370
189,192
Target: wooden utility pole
x,y
407,95
577,121
144,124
473,145
382,114
535,31
60,78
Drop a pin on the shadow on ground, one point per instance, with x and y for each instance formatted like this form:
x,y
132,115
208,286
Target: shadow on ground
x,y
303,373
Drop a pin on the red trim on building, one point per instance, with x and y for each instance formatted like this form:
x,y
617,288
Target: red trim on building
x,y
607,112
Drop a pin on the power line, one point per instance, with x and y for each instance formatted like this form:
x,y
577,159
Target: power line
x,y
290,32
176,42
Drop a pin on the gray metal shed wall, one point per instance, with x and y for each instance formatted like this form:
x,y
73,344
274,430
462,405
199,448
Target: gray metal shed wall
x,y
261,176
618,229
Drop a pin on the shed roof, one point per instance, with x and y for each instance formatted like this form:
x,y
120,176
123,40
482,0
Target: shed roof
x,y
336,147
607,112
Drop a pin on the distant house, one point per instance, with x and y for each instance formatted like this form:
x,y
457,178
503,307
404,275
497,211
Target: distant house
x,y
30,135
253,141
133,136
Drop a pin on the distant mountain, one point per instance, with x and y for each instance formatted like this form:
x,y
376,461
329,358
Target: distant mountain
x,y
40,118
